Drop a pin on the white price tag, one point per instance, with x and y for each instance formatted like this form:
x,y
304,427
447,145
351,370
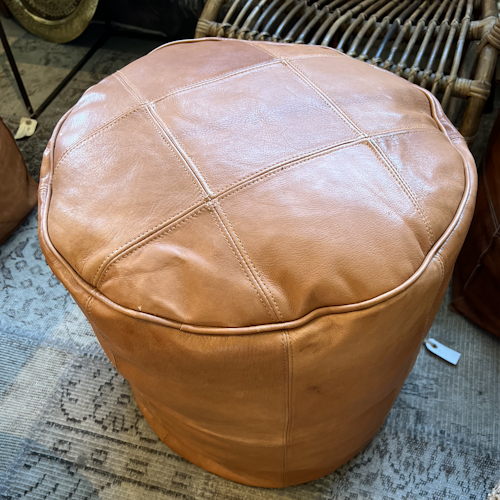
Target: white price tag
x,y
26,128
442,351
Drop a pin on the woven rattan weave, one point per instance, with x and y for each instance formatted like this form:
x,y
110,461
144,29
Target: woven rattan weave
x,y
449,47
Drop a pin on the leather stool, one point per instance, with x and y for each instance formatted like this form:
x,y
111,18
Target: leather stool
x,y
260,235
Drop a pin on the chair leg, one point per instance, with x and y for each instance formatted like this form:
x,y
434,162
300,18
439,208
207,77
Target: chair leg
x,y
15,70
4,10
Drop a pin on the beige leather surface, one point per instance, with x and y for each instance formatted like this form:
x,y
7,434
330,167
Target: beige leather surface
x,y
260,236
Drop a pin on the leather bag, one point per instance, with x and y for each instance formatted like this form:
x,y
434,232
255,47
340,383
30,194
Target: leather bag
x,y
260,235
18,191
476,278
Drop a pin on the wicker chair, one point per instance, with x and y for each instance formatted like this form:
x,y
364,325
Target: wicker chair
x,y
449,47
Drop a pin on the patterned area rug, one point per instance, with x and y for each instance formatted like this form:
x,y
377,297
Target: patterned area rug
x,y
70,427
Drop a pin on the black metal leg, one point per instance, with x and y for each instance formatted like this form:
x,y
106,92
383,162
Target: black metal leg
x,y
71,74
35,114
13,66
109,31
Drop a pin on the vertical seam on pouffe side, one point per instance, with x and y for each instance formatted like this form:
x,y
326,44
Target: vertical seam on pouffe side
x,y
426,324
286,390
290,396
99,335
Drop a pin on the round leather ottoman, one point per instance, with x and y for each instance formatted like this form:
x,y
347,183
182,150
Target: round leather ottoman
x,y
260,235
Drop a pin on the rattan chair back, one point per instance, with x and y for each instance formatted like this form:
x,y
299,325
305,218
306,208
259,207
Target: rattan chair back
x,y
446,46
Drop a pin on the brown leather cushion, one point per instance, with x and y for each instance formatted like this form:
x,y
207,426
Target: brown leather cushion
x,y
476,278
18,191
260,235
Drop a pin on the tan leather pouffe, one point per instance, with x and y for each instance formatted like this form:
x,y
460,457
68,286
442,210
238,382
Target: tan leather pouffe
x,y
260,235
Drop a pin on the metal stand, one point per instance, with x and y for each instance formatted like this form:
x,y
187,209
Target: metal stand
x,y
69,76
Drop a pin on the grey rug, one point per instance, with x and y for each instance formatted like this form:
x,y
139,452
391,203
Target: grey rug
x,y
70,428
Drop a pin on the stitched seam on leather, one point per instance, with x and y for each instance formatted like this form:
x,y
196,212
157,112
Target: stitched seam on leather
x,y
286,167
292,159
317,90
457,224
330,148
326,98
103,263
69,113
179,152
293,58
163,133
277,170
411,193
432,102
261,281
88,305
286,394
129,87
241,266
310,156
187,161
146,233
224,76
94,134
173,92
313,56
123,256
257,44
205,184
404,186
241,261
441,266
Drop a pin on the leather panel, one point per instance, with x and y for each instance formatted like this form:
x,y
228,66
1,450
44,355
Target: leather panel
x,y
128,167
404,106
210,60
327,200
241,134
182,259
